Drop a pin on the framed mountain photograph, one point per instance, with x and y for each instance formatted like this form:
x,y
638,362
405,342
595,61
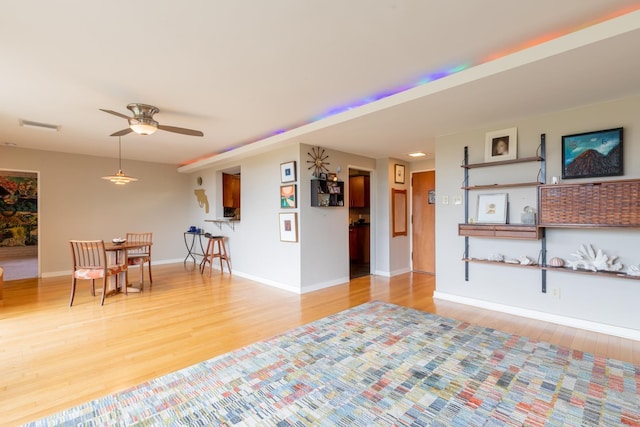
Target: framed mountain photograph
x,y
592,154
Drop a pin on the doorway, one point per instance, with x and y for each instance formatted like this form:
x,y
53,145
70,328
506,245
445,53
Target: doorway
x,y
19,224
423,211
359,223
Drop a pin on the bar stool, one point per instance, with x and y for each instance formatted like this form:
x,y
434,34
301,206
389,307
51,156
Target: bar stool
x,y
215,249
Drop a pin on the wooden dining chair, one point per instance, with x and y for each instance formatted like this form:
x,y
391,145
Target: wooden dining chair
x,y
140,256
90,263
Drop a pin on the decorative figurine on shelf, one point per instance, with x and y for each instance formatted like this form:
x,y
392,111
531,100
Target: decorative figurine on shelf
x,y
528,215
525,260
556,262
496,257
589,259
633,270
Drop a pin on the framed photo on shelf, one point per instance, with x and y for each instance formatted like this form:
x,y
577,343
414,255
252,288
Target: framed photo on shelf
x,y
288,172
289,227
322,175
398,174
492,208
288,197
501,145
592,154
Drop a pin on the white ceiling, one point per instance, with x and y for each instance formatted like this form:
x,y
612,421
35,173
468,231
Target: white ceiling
x,y
242,70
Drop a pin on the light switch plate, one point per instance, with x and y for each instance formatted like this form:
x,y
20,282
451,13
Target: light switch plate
x,y
445,200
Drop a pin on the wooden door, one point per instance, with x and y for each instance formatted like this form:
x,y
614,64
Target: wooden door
x,y
423,213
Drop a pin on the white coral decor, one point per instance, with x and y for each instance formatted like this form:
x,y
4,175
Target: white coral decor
x,y
589,259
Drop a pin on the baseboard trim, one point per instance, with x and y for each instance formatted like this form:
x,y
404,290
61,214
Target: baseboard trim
x,y
546,317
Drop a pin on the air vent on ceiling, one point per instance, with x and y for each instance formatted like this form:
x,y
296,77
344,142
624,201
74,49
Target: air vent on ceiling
x,y
32,124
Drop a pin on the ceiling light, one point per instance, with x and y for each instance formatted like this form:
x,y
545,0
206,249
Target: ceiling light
x,y
120,178
143,126
38,125
417,154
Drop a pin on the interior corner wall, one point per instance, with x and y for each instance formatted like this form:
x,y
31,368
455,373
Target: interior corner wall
x,y
253,244
392,254
75,203
606,301
325,230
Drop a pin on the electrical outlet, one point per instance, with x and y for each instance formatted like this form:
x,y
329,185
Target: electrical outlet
x,y
555,292
445,200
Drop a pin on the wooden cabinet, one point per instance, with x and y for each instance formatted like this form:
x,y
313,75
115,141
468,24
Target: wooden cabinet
x,y
500,231
359,242
591,204
327,193
359,191
230,190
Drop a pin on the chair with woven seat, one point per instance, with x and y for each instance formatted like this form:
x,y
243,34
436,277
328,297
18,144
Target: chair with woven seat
x,y
140,256
89,260
215,249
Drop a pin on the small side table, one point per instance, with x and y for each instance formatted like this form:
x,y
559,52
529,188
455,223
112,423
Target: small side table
x,y
192,248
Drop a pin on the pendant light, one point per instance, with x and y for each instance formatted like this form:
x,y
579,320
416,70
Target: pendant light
x,y
120,178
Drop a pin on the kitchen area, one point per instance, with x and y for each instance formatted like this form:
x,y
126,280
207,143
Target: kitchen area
x,y
359,223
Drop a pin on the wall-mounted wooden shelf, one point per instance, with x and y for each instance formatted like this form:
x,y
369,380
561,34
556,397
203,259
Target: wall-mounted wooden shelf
x,y
511,185
610,274
504,162
507,264
501,231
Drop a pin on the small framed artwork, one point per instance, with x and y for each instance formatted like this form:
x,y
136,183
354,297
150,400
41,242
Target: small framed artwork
x,y
431,197
288,196
492,208
322,175
501,145
289,227
592,154
398,174
288,172
334,189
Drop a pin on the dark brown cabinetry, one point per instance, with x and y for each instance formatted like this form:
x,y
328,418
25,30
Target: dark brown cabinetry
x,y
359,189
359,243
230,191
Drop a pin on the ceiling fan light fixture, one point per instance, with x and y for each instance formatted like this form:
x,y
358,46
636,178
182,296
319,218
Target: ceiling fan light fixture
x,y
143,126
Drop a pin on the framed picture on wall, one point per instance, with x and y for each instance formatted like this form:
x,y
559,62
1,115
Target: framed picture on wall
x,y
501,145
398,174
289,227
288,196
592,154
288,172
492,208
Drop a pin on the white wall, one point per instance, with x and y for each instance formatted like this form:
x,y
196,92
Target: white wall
x,y
590,299
75,203
320,258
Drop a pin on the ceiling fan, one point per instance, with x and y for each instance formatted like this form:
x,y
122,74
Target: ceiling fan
x,y
142,122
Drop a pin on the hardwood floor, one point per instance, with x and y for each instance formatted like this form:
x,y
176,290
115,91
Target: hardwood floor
x,y
54,357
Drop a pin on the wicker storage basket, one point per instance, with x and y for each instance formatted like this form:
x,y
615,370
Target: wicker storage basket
x,y
594,204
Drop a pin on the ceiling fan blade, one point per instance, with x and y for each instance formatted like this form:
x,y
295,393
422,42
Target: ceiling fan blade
x,y
115,113
122,132
181,130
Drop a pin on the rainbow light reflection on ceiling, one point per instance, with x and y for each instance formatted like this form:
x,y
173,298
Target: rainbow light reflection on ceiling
x,y
431,77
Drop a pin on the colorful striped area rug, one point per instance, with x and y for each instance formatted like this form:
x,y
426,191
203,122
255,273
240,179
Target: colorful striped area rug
x,y
380,364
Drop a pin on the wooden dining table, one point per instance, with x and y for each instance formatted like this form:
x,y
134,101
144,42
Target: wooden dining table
x,y
120,250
